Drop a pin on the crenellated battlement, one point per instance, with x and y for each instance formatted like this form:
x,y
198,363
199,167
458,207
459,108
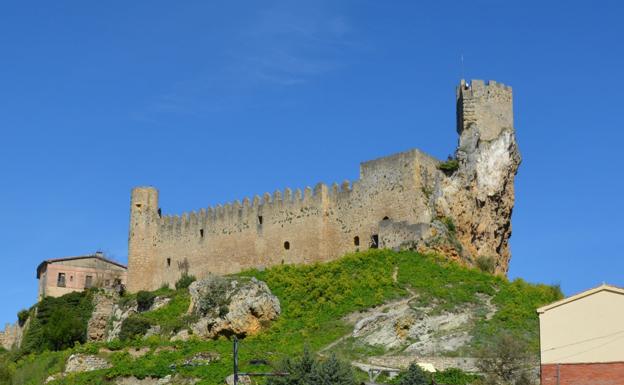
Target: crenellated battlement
x,y
394,202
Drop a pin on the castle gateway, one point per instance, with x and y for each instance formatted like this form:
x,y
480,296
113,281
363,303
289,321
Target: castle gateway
x,y
460,208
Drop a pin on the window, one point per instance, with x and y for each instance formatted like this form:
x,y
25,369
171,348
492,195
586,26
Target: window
x,y
159,213
88,281
374,241
107,283
201,233
168,262
259,219
385,218
60,282
356,240
287,245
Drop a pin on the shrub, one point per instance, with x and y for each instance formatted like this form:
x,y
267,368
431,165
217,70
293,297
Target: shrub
x,y
308,370
145,300
486,264
214,298
505,360
132,327
450,225
454,376
59,322
414,376
450,166
185,281
22,317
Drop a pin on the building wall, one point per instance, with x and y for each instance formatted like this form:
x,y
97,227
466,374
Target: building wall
x,y
588,330
583,374
319,224
76,272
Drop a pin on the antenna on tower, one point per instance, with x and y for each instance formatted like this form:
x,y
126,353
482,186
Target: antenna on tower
x,y
461,58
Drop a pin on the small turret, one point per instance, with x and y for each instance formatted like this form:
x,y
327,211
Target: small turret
x,y
488,106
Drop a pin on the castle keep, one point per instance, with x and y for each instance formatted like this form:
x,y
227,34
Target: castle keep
x,y
460,208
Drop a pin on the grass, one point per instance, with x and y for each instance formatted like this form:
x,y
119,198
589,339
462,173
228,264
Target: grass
x,y
314,299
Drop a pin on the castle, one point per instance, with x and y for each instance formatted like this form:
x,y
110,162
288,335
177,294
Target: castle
x,y
461,208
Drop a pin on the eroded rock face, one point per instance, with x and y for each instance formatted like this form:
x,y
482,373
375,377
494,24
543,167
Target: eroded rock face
x,y
77,363
231,306
479,195
104,303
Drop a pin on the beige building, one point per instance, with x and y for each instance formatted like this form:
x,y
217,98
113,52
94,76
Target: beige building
x,y
582,338
65,275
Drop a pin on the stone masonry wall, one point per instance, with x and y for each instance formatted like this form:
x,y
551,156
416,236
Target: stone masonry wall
x,y
398,200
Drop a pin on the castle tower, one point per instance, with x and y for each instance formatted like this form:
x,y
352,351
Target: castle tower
x,y
488,106
142,237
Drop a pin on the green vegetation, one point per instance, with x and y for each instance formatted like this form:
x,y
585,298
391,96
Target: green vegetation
x,y
314,299
214,299
486,264
449,166
185,281
59,323
414,375
133,327
22,317
308,370
145,300
454,376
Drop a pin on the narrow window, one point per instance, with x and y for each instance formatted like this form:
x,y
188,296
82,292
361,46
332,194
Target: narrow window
x,y
88,281
201,233
168,262
259,219
60,282
159,212
356,240
287,245
374,241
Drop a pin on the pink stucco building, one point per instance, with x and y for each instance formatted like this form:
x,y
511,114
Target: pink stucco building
x,y
64,275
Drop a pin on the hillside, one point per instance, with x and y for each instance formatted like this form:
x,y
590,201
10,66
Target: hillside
x,y
321,305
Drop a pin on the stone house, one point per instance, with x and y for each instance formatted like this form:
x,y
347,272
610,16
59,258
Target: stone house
x,y
582,338
64,275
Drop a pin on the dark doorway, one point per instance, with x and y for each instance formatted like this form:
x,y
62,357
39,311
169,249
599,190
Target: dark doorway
x,y
374,241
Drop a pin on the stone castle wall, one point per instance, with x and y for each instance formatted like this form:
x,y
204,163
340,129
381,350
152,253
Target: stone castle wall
x,y
395,201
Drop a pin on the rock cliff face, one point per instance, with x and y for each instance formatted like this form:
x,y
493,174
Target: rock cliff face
x,y
471,197
479,195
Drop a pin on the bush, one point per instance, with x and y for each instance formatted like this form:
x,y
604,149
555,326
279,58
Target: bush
x,y
505,360
145,300
185,281
307,370
486,264
214,298
59,322
133,327
450,166
454,376
22,317
414,376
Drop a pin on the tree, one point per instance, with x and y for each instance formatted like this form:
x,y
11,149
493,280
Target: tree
x,y
506,360
414,376
307,370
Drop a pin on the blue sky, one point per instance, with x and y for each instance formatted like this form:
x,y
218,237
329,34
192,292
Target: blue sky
x,y
215,101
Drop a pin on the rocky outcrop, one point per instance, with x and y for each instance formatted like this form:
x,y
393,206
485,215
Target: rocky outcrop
x,y
77,363
228,306
479,195
103,306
